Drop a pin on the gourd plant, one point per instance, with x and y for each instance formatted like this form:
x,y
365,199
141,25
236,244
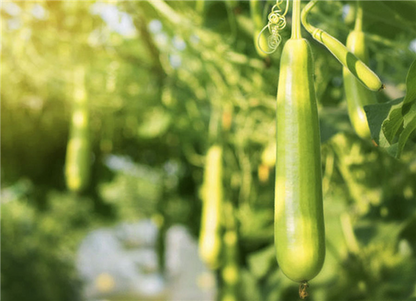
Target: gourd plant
x,y
299,219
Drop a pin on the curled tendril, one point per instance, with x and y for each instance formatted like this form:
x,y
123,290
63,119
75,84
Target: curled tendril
x,y
274,41
277,22
276,9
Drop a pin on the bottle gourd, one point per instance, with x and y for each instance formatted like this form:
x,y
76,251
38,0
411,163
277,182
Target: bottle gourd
x,y
256,12
210,234
78,155
356,94
357,67
299,220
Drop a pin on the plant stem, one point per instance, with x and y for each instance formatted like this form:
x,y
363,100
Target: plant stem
x,y
359,17
296,20
347,229
305,13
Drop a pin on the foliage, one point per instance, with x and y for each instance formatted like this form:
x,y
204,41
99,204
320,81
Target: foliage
x,y
38,248
165,80
394,122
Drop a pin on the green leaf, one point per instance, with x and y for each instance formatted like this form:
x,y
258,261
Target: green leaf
x,y
408,109
392,149
410,85
392,123
405,136
376,114
156,124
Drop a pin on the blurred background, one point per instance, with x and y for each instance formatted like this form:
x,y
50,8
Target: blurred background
x,y
163,81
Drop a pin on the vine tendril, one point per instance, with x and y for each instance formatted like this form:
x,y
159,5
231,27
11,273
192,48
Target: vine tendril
x,y
276,23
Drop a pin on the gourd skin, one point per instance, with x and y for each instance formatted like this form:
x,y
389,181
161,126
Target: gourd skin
x,y
356,94
210,236
299,221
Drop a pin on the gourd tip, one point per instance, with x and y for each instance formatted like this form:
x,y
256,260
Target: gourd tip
x,y
382,87
303,289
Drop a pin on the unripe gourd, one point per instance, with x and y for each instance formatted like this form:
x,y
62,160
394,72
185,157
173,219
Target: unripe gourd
x,y
357,67
299,220
256,12
356,94
212,194
78,154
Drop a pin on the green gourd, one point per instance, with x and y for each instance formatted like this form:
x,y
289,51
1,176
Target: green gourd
x,y
256,12
78,153
230,271
212,194
299,219
356,94
360,70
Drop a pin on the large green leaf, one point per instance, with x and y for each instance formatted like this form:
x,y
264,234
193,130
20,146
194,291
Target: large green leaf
x,y
411,85
404,136
391,124
376,114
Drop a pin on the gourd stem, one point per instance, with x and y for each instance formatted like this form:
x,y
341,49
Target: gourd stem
x,y
296,20
305,13
359,17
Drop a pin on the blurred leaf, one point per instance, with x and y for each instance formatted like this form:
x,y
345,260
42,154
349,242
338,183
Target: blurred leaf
x,y
249,286
404,9
333,121
390,17
256,225
155,124
261,261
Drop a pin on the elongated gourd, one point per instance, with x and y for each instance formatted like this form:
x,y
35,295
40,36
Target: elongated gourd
x,y
357,67
299,220
78,154
356,94
210,235
256,16
230,271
